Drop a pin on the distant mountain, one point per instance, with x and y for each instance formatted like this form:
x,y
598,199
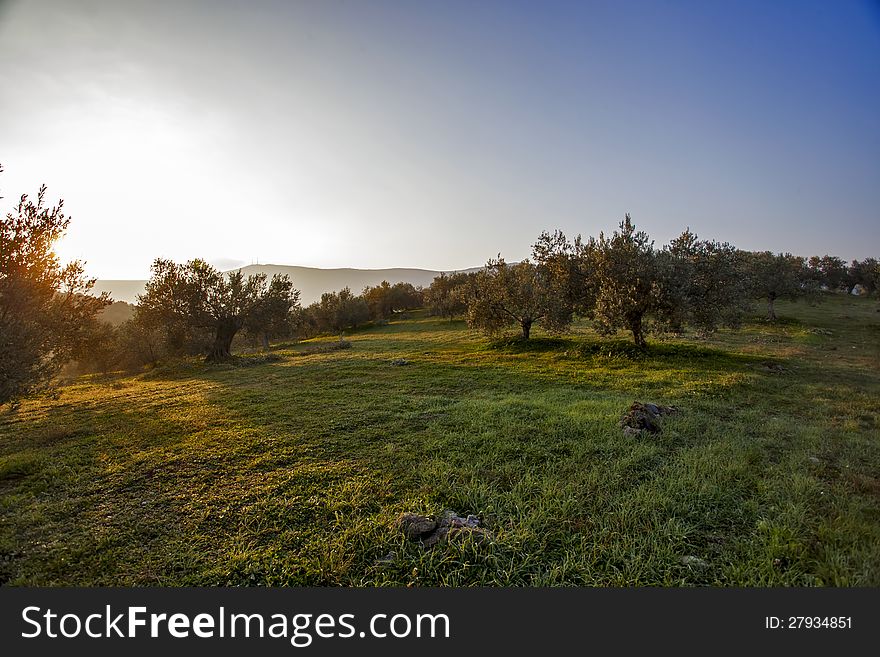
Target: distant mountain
x,y
120,290
116,313
310,281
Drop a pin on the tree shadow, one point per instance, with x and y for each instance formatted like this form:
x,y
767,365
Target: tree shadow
x,y
625,350
516,344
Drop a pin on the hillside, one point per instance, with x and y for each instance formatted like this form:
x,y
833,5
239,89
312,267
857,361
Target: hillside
x,y
294,469
117,313
310,281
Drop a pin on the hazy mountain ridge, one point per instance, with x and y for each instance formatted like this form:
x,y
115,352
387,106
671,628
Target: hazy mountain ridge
x,y
310,281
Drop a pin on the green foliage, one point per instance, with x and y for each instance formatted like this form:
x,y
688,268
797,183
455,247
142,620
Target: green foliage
x,y
622,282
828,271
405,296
142,342
447,295
569,265
337,312
45,308
386,299
625,279
99,350
276,313
778,276
865,273
704,284
519,294
196,298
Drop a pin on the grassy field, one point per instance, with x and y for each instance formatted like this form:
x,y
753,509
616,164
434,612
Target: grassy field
x,y
292,470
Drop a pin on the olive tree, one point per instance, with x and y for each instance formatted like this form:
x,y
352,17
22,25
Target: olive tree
x,y
338,311
515,294
828,271
447,295
865,273
570,266
702,283
275,314
386,299
625,286
197,296
777,276
45,307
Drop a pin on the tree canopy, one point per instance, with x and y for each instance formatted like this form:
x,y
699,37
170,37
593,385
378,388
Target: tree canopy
x,y
703,284
621,281
45,307
865,273
515,294
447,295
338,311
197,296
385,299
777,276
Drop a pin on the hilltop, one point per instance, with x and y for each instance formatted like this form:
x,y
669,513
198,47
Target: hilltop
x,y
310,281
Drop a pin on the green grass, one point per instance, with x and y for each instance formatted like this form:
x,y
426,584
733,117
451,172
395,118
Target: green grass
x,y
291,470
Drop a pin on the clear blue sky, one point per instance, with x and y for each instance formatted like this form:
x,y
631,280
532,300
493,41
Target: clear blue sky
x,y
436,134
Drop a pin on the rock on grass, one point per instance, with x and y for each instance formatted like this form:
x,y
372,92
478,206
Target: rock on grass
x,y
451,527
415,526
644,417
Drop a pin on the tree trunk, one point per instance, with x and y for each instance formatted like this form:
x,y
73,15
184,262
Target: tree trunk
x,y
526,328
771,310
265,337
221,349
635,325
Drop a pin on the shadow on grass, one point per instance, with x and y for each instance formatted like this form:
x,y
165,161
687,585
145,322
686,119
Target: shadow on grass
x,y
671,367
624,350
781,321
518,345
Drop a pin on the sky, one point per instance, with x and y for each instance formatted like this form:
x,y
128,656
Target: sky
x,y
421,133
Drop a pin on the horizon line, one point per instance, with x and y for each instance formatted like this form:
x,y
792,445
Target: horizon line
x,y
269,264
